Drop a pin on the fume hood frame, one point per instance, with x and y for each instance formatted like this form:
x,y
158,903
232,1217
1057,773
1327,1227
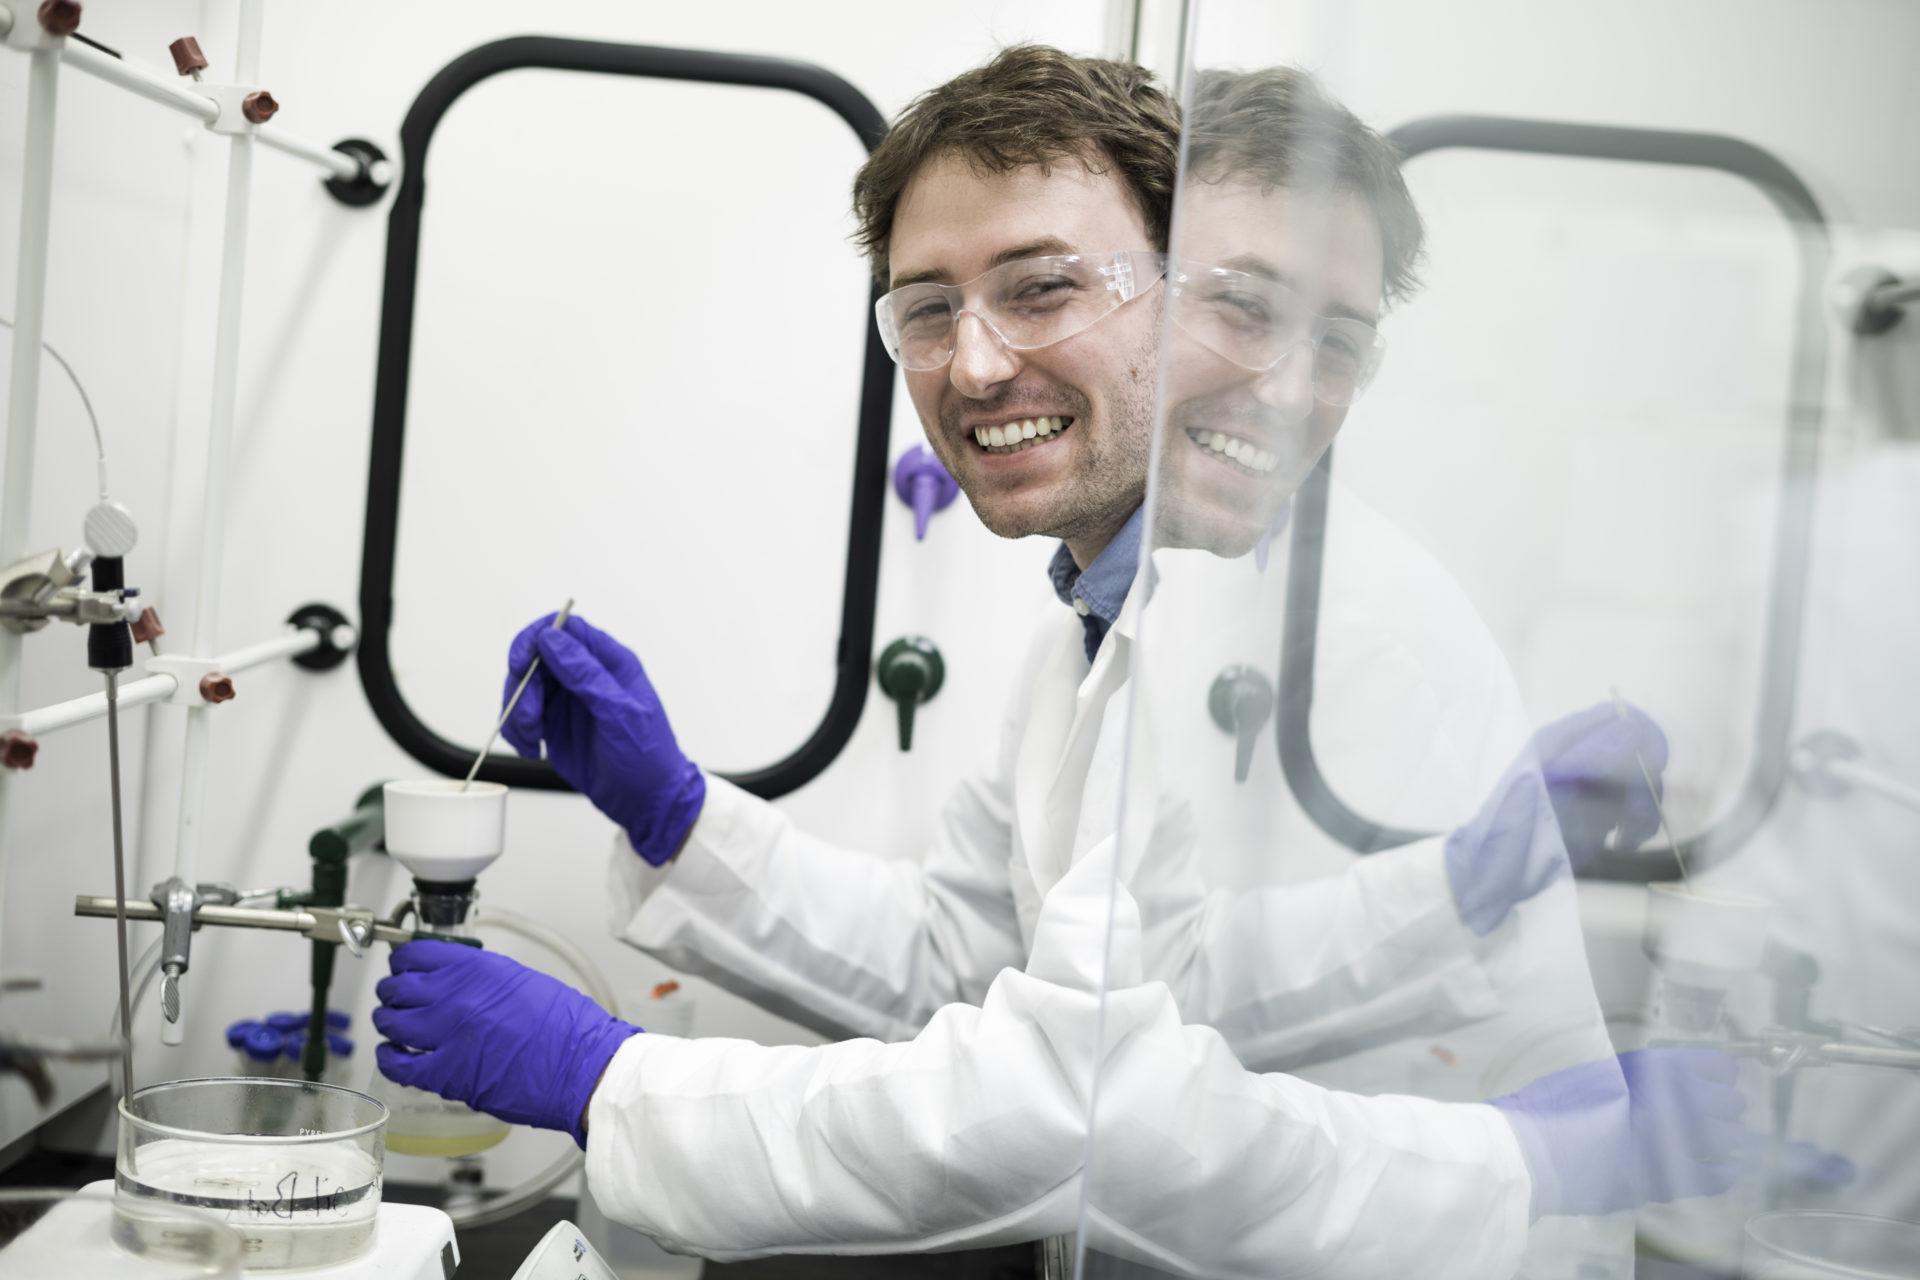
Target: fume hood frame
x,y
395,360
1788,195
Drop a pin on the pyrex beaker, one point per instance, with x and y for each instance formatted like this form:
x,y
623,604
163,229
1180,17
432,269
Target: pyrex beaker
x,y
1830,1246
291,1165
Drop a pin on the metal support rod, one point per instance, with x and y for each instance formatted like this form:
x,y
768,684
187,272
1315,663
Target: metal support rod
x,y
151,85
23,392
1881,785
296,641
213,495
119,885
1815,1053
321,924
41,721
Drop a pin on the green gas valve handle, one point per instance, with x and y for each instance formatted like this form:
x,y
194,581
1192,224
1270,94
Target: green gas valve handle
x,y
911,672
1240,701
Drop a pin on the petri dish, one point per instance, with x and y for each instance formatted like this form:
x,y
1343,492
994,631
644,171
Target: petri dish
x,y
1830,1246
51,1233
292,1166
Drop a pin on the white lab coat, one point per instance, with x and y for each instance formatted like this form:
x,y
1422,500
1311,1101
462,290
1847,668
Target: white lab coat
x,y
979,978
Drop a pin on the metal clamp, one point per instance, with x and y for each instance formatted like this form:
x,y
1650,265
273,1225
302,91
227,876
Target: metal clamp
x,y
195,680
243,108
46,586
336,926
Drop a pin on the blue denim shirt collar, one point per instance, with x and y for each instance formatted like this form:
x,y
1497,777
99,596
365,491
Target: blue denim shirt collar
x,y
1102,585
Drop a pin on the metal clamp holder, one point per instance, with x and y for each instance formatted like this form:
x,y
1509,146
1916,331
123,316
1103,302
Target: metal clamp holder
x,y
331,925
190,676
243,108
43,26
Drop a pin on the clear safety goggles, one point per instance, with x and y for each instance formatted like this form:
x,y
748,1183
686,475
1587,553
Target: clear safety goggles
x,y
1028,303
1257,323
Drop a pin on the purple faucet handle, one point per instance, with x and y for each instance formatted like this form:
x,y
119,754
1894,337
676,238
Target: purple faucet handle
x,y
923,484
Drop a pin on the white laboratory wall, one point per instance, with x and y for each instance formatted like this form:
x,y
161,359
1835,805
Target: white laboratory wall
x,y
575,434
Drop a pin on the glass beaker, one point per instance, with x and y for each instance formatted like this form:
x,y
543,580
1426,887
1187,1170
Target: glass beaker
x,y
1830,1246
291,1165
49,1233
426,1124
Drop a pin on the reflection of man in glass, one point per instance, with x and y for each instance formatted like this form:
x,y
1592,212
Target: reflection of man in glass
x,y
1295,228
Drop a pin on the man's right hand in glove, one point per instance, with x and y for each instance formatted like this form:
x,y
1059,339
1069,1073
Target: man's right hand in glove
x,y
605,732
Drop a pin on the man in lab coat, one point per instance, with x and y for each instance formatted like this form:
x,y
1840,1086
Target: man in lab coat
x,y
1021,215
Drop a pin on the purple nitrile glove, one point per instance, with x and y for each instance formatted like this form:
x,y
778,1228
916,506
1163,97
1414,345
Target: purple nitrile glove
x,y
606,732
1577,781
494,1034
1652,1126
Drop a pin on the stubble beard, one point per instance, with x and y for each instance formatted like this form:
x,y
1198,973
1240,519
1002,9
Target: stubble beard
x,y
1111,478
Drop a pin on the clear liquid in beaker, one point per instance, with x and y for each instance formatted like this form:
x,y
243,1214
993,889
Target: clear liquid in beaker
x,y
294,1204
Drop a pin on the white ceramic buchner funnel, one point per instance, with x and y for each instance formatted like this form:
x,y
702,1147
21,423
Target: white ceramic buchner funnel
x,y
443,834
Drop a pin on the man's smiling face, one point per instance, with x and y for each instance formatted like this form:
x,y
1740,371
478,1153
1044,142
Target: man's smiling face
x,y
1081,471
1327,248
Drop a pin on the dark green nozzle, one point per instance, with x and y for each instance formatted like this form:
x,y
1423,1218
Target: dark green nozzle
x,y
1240,701
911,672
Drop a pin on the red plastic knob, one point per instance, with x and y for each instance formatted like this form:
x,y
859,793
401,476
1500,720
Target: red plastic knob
x,y
187,57
258,107
60,17
17,750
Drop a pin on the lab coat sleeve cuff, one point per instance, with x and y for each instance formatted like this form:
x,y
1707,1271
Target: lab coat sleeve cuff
x,y
1417,904
631,880
1514,1217
619,1180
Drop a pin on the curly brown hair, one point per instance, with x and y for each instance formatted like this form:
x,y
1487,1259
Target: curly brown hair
x,y
1031,105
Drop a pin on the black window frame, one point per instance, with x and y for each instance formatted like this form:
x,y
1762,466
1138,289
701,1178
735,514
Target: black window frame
x,y
1806,392
858,597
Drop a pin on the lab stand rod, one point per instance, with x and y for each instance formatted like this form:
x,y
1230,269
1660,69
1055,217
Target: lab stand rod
x,y
29,315
23,395
152,86
294,642
196,746
320,924
1897,294
1861,776
157,688
64,715
1814,1052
